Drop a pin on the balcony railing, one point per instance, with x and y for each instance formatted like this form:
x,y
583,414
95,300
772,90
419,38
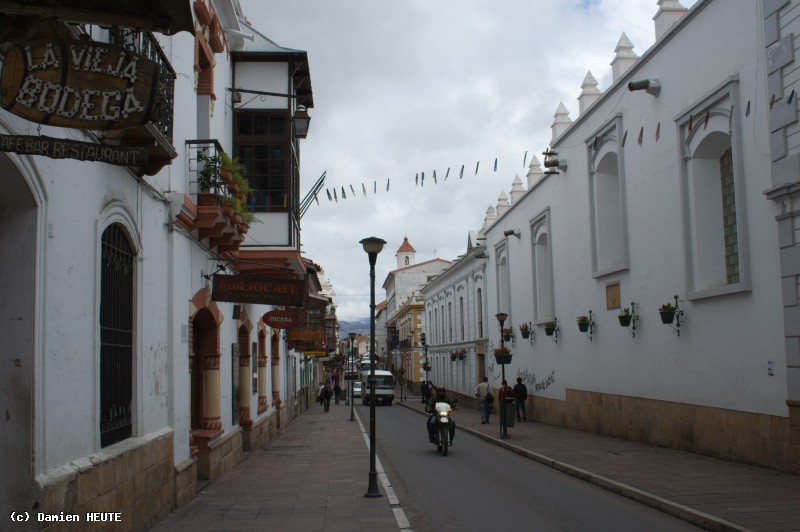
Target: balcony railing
x,y
145,44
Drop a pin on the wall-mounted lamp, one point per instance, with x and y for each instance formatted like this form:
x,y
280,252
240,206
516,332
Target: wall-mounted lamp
x,y
651,86
512,232
553,162
301,122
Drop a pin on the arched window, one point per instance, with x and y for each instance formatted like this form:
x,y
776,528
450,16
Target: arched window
x,y
542,270
713,197
116,336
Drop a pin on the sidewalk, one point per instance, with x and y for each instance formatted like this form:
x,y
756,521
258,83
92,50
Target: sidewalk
x,y
710,493
312,477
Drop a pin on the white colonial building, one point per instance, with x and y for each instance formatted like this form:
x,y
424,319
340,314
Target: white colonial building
x,y
128,374
653,195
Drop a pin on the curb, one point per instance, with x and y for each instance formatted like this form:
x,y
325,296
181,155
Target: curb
x,y
685,513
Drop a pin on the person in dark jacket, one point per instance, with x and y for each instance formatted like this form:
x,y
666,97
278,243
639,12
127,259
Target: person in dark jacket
x,y
440,396
521,394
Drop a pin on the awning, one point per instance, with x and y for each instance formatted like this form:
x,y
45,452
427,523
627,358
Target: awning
x,y
283,263
161,16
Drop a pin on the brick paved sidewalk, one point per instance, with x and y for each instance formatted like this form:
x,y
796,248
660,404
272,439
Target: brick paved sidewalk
x,y
713,494
312,477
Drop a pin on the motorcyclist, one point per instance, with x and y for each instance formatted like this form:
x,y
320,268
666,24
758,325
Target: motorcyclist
x,y
440,396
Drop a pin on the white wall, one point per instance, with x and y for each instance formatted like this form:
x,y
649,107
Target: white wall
x,y
721,357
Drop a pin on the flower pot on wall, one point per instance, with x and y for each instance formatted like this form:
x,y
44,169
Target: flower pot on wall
x,y
503,359
625,320
667,316
549,330
583,326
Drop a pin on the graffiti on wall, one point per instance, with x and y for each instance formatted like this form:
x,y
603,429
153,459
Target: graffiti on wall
x,y
530,380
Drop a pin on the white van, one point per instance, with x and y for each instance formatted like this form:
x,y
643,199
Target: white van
x,y
384,387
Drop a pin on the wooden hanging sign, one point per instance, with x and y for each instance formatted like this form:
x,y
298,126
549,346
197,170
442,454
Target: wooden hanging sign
x,y
79,84
73,149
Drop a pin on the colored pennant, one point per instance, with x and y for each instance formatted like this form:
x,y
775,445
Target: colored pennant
x,y
334,196
658,131
495,164
476,167
352,190
344,196
364,189
447,174
462,172
434,178
641,136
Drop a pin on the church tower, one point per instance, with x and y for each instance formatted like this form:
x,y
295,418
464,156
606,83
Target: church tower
x,y
405,254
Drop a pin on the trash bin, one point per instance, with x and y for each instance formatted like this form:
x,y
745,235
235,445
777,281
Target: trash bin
x,y
510,410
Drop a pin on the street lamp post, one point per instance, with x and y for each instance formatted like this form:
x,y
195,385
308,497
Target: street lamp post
x,y
372,246
502,317
352,336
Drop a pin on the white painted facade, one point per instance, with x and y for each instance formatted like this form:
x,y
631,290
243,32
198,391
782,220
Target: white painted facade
x,y
631,195
455,320
52,217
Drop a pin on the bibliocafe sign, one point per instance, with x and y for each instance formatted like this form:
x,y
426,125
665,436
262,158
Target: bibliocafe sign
x,y
79,84
239,289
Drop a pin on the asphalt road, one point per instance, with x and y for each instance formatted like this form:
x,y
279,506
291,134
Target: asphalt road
x,y
479,486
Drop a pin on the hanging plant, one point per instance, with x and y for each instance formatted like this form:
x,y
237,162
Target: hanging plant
x,y
549,328
667,312
525,330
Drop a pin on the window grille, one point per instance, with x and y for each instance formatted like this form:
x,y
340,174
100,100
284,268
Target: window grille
x,y
116,337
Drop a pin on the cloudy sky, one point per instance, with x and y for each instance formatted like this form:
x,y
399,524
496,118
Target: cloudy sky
x,y
412,86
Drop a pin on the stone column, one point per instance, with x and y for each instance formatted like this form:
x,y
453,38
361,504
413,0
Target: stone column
x,y
211,401
262,373
244,386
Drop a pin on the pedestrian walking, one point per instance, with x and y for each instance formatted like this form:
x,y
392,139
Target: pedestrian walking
x,y
327,393
424,389
521,394
482,392
337,391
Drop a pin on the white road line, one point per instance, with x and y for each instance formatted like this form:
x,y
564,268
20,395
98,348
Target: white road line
x,y
394,502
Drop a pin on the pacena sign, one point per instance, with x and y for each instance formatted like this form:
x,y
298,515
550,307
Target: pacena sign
x,y
280,319
79,84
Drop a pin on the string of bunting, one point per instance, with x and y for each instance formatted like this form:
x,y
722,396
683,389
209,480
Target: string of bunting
x,y
419,177
338,192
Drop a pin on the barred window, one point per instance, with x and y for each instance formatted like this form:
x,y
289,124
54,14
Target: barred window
x,y
116,336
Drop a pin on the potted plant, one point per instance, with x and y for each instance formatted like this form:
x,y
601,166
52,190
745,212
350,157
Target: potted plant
x,y
207,172
525,330
667,312
625,317
502,355
583,323
453,355
508,333
549,328
426,367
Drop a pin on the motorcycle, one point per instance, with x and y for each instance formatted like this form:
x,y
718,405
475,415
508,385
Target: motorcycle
x,y
442,423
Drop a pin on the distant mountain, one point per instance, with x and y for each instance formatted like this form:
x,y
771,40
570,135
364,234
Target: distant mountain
x,y
360,326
